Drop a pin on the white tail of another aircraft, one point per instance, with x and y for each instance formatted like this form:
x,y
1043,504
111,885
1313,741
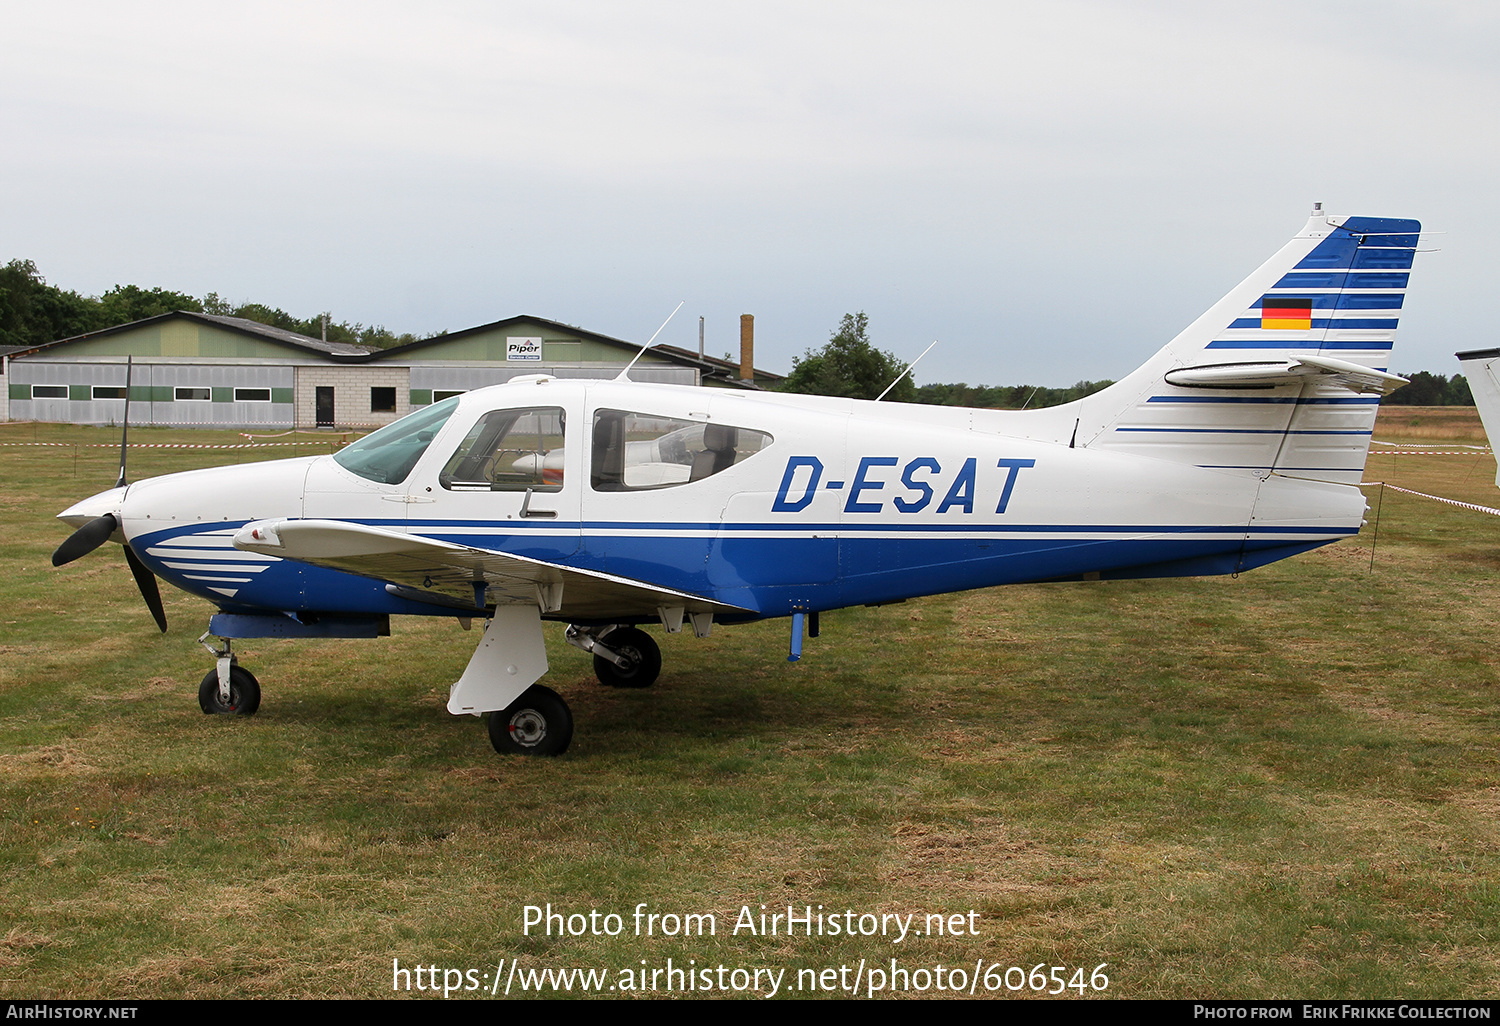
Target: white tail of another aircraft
x,y
1283,374
1482,366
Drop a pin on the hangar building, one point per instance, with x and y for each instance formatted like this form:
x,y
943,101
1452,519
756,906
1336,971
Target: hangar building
x,y
193,369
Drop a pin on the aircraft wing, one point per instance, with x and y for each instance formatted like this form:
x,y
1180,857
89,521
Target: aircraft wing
x,y
443,573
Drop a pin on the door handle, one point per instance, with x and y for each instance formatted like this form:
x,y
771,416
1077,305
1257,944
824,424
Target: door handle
x,y
527,511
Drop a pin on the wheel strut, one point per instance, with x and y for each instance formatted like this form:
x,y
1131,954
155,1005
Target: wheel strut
x,y
225,661
587,638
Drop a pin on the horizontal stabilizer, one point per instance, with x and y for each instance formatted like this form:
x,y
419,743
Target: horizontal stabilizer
x,y
463,575
1322,370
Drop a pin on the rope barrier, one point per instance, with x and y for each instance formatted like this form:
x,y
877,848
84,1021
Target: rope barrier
x,y
1481,449
166,445
1438,498
298,431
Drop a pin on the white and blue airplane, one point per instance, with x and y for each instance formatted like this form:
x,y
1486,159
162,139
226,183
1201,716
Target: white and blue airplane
x,y
610,505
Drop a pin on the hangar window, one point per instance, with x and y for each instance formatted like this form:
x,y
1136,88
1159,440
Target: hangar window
x,y
109,392
388,455
382,400
439,394
510,451
636,451
252,395
49,391
191,395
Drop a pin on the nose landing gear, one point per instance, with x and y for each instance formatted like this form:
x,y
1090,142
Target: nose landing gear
x,y
228,689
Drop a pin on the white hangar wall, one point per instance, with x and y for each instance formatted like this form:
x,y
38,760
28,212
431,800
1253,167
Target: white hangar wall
x,y
197,370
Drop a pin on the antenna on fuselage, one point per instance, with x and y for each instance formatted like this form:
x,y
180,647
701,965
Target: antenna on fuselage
x,y
624,375
904,373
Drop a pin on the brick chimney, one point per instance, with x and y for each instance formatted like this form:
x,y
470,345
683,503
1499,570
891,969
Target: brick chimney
x,y
747,347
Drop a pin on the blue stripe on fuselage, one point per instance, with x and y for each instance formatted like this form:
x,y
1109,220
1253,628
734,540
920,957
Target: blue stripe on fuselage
x,y
733,565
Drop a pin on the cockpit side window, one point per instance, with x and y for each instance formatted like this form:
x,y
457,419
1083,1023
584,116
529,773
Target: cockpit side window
x,y
388,455
638,451
510,451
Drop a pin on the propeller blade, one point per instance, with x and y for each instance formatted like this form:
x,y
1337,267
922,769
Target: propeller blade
x,y
146,581
86,539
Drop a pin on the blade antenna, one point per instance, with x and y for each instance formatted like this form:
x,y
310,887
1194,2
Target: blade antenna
x,y
904,373
125,428
624,375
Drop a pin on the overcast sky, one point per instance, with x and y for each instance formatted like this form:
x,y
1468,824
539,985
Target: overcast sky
x,y
1052,190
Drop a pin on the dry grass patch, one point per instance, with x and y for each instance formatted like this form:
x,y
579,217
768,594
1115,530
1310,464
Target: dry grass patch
x,y
1429,423
991,859
51,761
19,939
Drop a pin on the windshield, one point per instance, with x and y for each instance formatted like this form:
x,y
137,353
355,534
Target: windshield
x,y
388,455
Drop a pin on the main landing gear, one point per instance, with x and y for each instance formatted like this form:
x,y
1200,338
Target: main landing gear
x,y
624,657
537,723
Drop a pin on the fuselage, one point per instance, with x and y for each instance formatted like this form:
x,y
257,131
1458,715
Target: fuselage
x,y
770,503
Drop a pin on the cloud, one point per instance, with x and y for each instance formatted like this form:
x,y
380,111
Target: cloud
x,y
1090,174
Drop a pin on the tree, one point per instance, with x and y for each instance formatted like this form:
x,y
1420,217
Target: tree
x,y
125,303
272,316
850,366
212,304
33,312
375,335
1428,389
1006,397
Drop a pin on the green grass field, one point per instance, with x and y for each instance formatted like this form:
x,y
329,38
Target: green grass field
x,y
1280,785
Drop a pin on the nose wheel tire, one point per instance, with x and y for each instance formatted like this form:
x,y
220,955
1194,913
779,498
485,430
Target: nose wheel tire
x,y
537,723
244,693
638,647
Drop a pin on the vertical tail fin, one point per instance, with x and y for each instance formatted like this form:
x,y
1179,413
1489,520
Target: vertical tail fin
x,y
1284,373
1483,369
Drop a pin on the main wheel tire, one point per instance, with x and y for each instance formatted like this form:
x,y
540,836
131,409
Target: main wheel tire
x,y
638,647
537,723
244,693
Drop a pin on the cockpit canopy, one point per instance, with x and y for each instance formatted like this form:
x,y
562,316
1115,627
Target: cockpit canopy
x,y
520,450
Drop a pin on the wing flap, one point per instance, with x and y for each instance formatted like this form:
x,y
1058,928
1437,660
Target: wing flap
x,y
413,562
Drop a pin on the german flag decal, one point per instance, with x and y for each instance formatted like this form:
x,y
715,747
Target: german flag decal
x,y
1280,313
